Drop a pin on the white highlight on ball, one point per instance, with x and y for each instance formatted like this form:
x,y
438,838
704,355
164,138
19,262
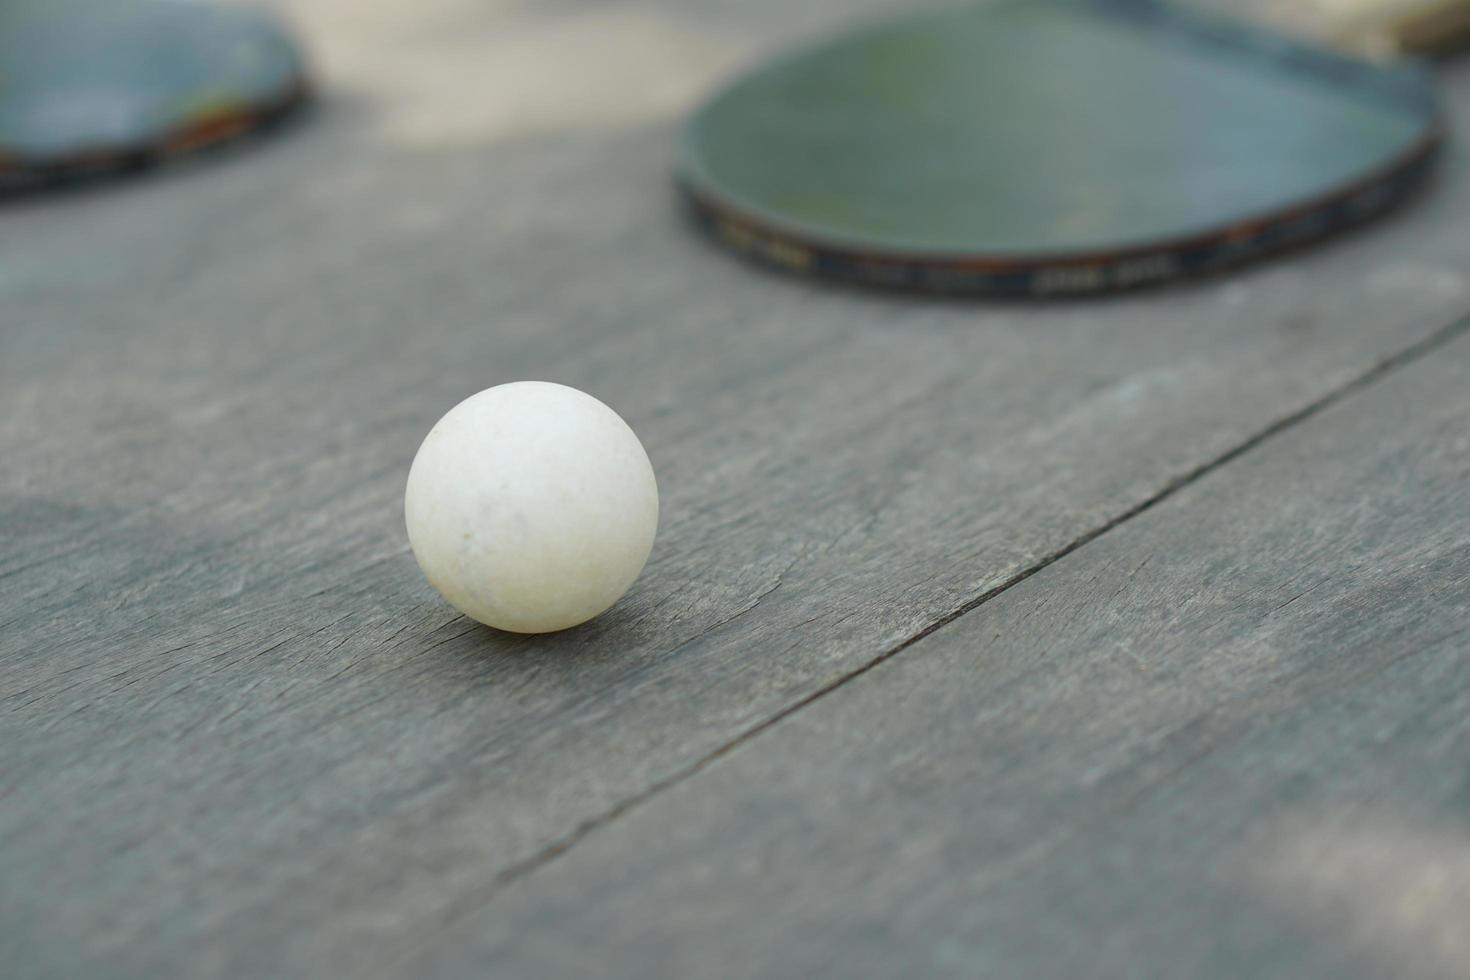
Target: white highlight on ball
x,y
531,507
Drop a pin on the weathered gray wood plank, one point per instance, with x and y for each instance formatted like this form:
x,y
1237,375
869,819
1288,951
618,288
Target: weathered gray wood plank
x,y
241,736
1230,738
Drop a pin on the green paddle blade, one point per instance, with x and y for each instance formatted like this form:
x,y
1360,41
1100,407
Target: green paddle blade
x,y
1051,145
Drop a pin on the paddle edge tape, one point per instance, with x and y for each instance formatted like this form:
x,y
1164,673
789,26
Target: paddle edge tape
x,y
767,240
221,126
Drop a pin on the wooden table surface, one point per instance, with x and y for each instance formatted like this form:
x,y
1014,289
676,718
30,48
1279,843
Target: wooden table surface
x,y
1126,638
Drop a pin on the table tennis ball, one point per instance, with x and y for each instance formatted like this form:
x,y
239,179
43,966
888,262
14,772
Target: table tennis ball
x,y
531,507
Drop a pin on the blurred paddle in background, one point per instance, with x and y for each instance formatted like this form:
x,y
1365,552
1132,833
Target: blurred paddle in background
x,y
1044,147
91,87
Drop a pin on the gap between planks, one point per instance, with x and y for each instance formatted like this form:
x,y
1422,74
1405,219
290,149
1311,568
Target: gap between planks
x,y
512,873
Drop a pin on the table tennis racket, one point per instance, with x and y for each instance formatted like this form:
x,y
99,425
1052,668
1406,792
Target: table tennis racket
x,y
93,87
1044,147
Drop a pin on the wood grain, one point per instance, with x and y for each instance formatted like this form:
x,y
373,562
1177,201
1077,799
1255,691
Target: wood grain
x,y
240,736
1226,739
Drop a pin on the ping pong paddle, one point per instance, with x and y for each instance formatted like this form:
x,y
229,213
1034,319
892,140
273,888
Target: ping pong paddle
x,y
101,86
1044,147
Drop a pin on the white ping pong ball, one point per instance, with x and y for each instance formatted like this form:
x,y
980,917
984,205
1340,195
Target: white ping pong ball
x,y
531,507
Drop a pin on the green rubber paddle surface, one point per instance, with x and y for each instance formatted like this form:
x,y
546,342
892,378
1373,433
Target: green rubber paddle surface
x,y
1039,146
